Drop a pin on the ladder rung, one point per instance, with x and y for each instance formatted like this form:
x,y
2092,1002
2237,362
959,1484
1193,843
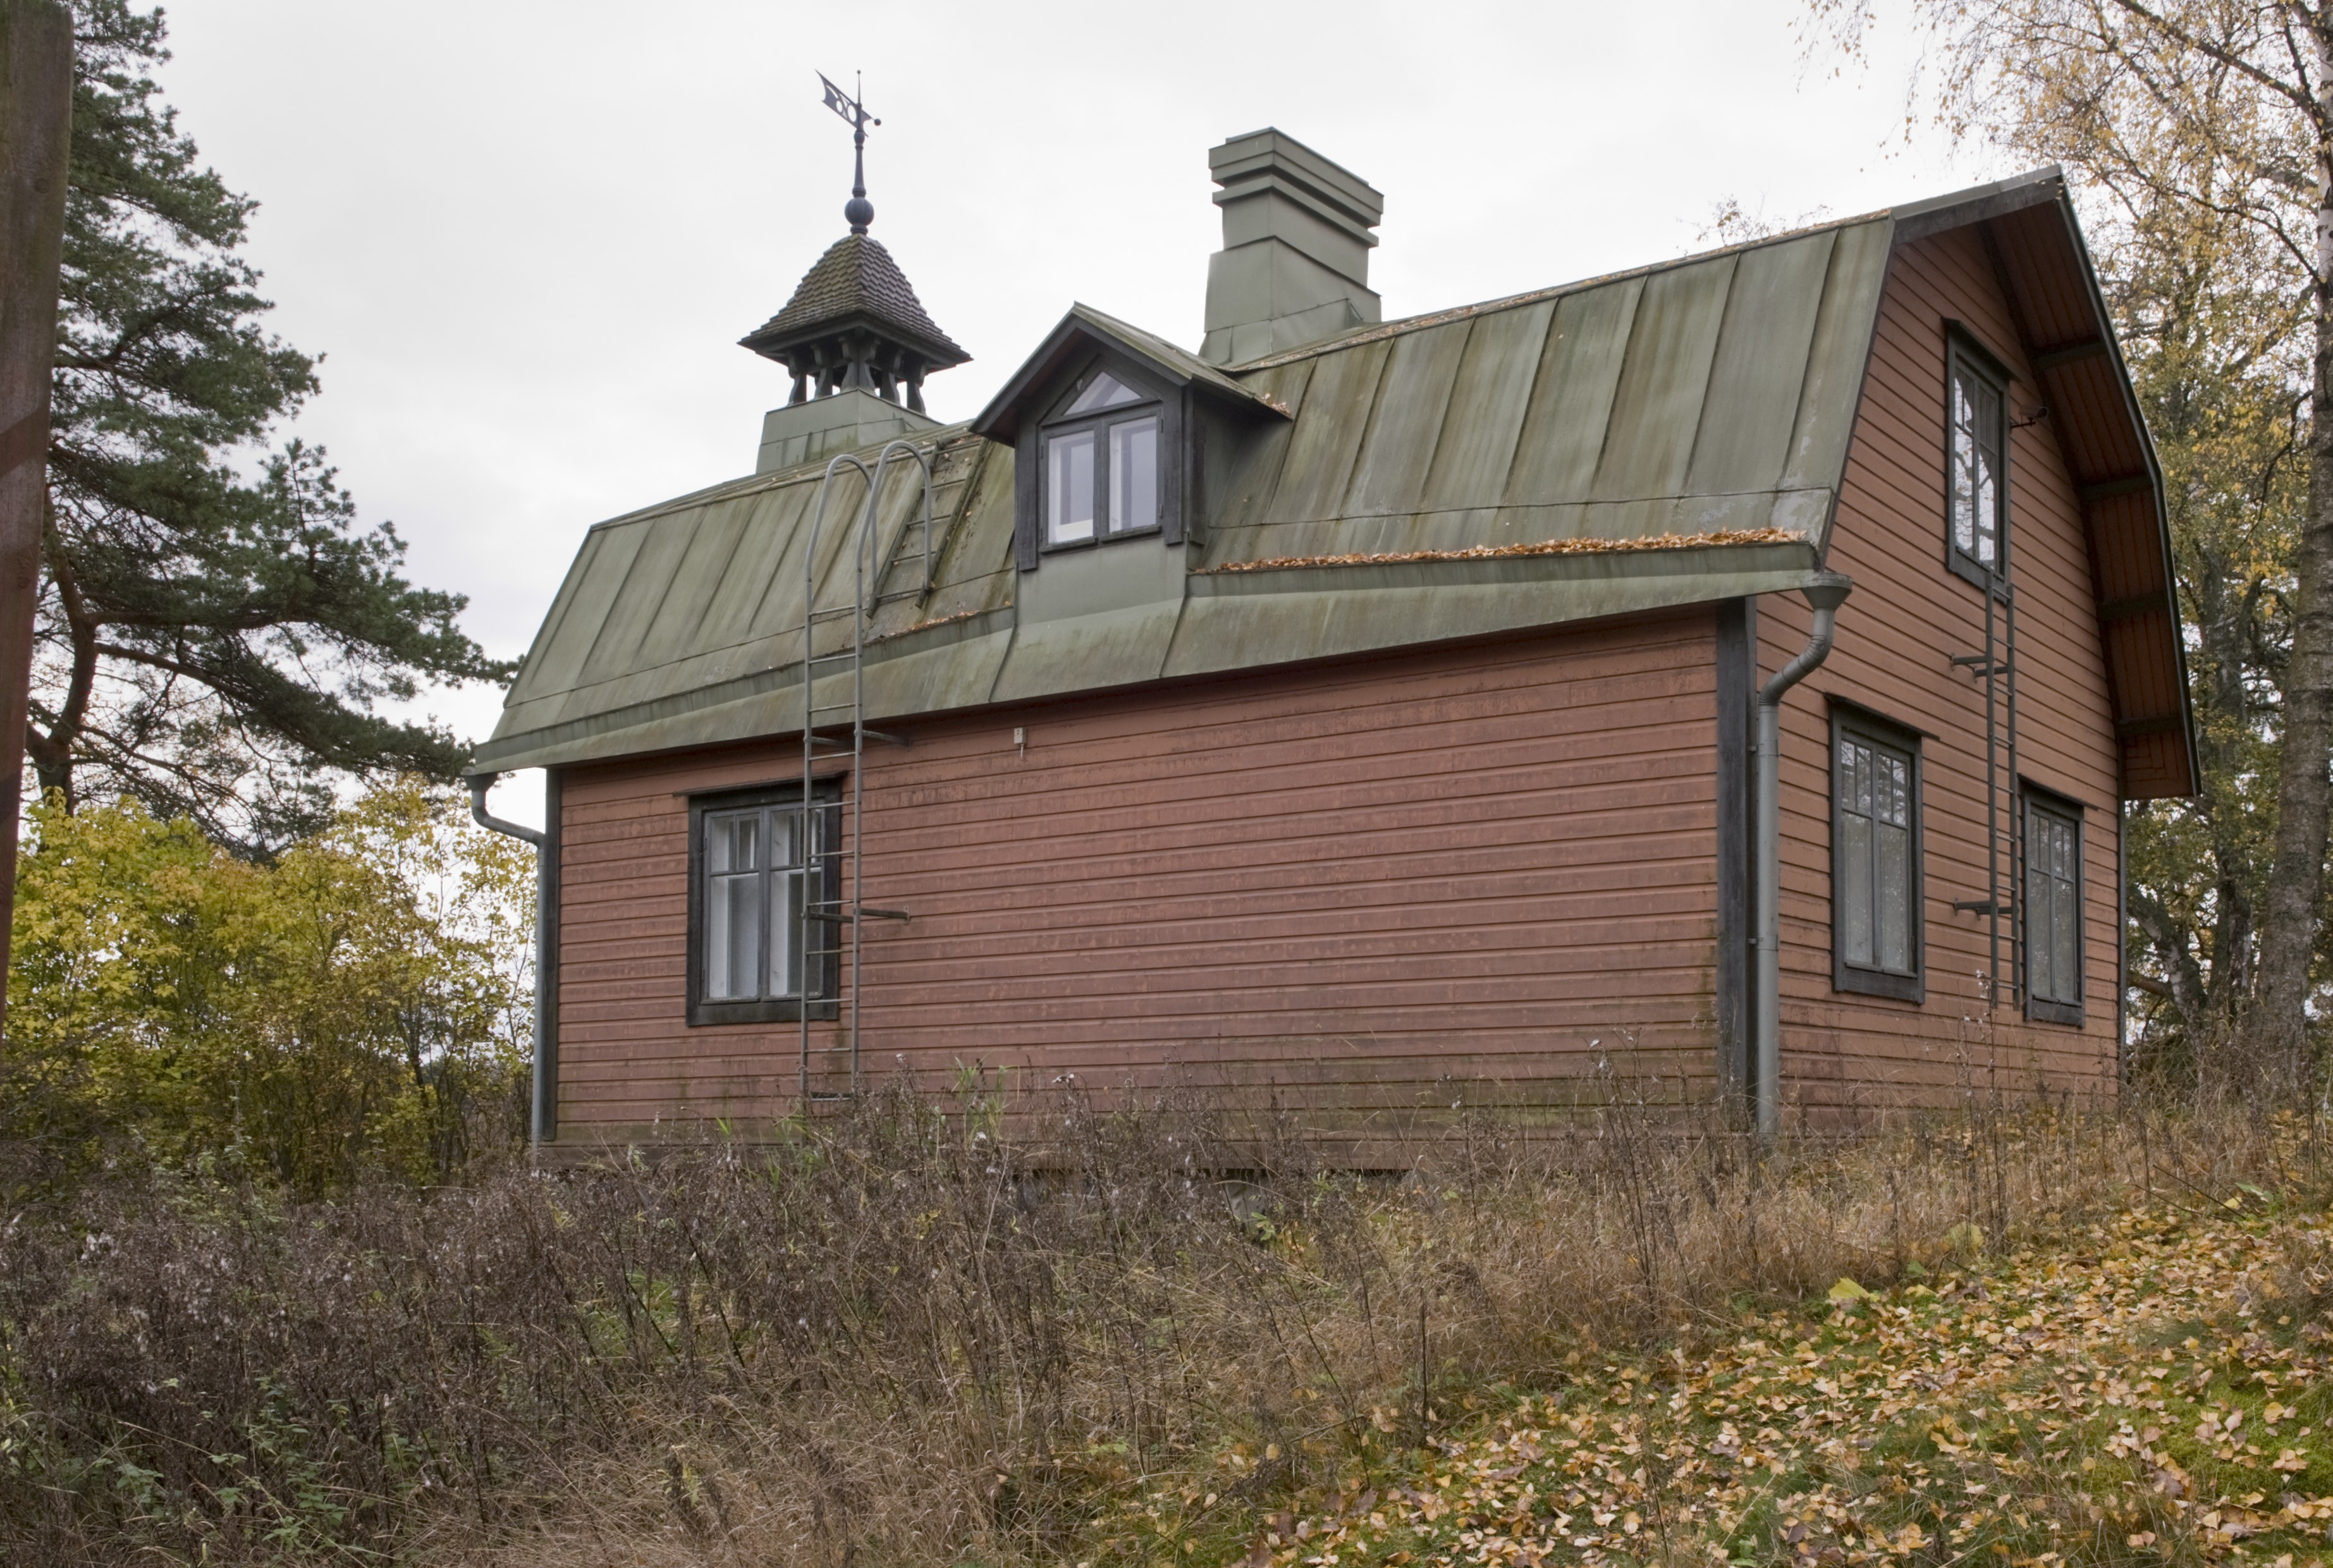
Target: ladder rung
x,y
844,917
834,613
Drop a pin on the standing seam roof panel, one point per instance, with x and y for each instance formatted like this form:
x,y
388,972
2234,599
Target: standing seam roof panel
x,y
664,544
1760,369
678,629
1836,359
1329,427
1477,451
1664,382
1406,427
1571,402
605,564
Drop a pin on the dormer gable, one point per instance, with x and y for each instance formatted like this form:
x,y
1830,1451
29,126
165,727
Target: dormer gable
x,y
1107,423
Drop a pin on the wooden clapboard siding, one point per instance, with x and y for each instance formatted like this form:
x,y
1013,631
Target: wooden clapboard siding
x,y
1897,633
1355,883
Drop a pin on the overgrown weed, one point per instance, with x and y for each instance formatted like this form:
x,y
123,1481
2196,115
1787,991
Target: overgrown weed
x,y
911,1335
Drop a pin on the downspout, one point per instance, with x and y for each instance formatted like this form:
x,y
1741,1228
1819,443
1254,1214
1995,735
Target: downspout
x,y
543,1121
1826,593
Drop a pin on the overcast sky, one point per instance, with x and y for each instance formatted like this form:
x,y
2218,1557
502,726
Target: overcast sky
x,y
527,234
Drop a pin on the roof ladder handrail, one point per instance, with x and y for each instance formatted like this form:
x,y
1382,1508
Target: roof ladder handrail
x,y
831,966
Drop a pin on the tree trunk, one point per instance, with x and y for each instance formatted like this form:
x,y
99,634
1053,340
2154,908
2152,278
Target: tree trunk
x,y
36,77
2296,878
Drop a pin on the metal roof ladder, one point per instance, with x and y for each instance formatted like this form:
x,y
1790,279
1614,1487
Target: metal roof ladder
x,y
2004,837
829,914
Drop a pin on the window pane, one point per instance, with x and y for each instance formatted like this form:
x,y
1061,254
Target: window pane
x,y
1854,897
792,935
1107,392
1893,897
1988,502
2064,929
1068,488
1134,475
1963,466
732,843
733,905
733,935
2038,947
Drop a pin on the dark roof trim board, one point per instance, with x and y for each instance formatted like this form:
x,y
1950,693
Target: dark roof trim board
x,y
2062,369
1918,219
1085,329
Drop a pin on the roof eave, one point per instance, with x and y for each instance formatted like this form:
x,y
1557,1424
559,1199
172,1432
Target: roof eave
x,y
942,352
1956,209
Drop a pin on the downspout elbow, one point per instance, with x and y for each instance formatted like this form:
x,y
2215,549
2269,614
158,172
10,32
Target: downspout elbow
x,y
543,1110
1826,593
1826,596
485,819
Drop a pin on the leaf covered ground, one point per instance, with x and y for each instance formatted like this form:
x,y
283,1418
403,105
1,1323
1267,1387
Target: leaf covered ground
x,y
2149,1388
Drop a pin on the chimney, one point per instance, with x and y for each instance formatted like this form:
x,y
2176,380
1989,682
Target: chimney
x,y
1295,262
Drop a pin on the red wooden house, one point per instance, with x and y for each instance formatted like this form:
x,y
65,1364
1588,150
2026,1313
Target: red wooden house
x,y
1364,713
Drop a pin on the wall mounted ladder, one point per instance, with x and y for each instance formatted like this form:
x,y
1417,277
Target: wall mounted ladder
x,y
2004,836
830,915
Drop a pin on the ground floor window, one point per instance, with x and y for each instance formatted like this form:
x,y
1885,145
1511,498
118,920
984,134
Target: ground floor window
x,y
758,865
2053,909
1876,932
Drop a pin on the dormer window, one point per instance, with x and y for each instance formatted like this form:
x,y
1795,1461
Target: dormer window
x,y
1108,427
1101,465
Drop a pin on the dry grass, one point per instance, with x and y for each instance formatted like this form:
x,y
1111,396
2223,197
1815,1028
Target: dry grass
x,y
887,1340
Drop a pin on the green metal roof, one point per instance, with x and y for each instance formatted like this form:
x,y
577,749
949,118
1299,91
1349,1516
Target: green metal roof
x,y
1670,436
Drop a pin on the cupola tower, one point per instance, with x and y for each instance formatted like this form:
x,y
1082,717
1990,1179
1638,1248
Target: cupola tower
x,y
854,336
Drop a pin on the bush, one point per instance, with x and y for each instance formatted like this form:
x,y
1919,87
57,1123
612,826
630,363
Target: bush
x,y
889,1340
359,1004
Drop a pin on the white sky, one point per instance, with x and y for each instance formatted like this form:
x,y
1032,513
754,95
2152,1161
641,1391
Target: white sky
x,y
527,234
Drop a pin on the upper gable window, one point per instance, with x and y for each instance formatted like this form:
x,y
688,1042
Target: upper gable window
x,y
1100,465
1976,459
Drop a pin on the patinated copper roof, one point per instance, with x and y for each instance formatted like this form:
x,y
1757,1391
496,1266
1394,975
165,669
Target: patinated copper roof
x,y
856,279
1676,433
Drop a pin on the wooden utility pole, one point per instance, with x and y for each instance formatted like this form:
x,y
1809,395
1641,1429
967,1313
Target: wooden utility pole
x,y
36,79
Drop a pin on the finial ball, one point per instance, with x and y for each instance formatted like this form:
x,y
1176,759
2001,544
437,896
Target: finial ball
x,y
858,212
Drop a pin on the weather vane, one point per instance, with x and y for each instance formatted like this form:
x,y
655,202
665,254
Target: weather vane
x,y
858,212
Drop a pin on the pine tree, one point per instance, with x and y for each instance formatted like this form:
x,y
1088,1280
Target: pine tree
x,y
216,628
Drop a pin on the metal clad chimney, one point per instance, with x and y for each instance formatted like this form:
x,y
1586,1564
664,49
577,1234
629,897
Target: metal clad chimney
x,y
1295,262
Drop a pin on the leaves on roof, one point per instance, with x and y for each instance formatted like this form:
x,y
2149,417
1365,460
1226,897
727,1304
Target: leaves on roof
x,y
1532,547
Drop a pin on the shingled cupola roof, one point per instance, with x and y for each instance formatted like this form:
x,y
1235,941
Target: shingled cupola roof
x,y
855,322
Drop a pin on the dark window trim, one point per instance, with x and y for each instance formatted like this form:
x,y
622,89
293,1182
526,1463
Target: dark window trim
x,y
1168,404
1884,721
1737,680
1852,718
825,791
1963,346
2037,1009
